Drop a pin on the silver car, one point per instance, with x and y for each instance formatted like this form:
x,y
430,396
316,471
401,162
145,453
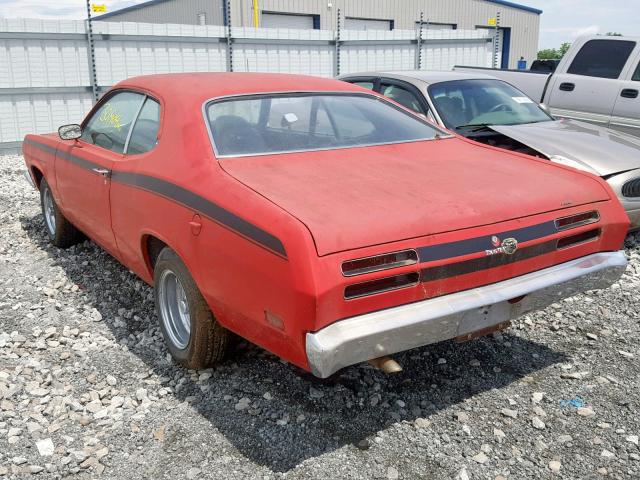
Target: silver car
x,y
493,112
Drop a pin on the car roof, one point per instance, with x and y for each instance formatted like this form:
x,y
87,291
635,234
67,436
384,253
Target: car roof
x,y
202,86
421,76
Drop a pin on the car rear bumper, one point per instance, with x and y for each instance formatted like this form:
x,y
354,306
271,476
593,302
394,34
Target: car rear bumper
x,y
401,328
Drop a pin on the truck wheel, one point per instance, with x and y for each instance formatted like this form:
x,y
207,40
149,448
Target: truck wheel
x,y
194,337
61,231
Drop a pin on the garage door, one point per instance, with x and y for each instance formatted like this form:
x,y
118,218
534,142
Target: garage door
x,y
366,24
286,20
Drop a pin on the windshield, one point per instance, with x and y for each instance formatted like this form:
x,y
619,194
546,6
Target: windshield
x,y
279,123
463,103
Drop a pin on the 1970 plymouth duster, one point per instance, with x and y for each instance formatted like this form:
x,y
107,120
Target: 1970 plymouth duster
x,y
323,222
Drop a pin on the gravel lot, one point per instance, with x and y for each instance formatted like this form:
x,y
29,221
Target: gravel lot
x,y
88,390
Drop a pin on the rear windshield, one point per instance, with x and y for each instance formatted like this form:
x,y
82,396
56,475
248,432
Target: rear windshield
x,y
280,123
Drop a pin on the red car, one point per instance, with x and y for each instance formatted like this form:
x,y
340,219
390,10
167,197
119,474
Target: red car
x,y
316,219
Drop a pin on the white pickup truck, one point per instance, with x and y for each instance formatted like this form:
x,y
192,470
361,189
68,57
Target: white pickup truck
x,y
597,81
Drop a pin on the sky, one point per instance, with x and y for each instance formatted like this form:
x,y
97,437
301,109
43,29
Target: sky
x,y
562,20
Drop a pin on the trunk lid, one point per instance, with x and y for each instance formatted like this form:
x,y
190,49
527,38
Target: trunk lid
x,y
358,197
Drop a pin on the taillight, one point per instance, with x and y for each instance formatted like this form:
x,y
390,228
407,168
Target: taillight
x,y
578,239
574,221
360,266
381,285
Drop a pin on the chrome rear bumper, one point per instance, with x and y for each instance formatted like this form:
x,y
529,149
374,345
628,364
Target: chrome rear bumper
x,y
397,329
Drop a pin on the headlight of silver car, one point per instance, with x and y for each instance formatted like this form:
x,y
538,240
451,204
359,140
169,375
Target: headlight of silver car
x,y
631,188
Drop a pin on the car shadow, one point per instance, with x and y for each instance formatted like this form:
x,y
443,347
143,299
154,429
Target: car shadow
x,y
293,416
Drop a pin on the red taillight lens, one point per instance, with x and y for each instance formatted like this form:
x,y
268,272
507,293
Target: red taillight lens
x,y
376,263
580,238
381,285
577,220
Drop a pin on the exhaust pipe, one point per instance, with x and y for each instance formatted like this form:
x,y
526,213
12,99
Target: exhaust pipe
x,y
386,364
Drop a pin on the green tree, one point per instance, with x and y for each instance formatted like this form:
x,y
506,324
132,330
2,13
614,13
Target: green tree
x,y
554,53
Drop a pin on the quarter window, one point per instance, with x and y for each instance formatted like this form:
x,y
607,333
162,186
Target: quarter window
x,y
636,74
602,58
145,131
109,126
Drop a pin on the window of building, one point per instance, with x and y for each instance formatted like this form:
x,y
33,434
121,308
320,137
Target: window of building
x,y
202,19
351,23
602,58
290,20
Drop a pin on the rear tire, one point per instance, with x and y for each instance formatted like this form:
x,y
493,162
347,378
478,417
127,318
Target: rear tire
x,y
61,231
193,336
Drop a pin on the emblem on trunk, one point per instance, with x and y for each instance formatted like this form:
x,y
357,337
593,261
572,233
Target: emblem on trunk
x,y
507,246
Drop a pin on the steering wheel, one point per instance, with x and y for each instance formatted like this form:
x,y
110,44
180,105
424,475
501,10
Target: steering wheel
x,y
501,106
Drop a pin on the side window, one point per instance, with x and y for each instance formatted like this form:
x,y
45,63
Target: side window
x,y
602,58
364,84
109,126
403,96
636,74
144,135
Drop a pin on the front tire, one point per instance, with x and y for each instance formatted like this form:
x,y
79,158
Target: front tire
x,y
61,231
193,336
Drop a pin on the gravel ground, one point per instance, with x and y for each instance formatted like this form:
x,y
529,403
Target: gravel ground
x,y
88,390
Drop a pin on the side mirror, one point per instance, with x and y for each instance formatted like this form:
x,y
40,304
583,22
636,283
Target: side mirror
x,y
70,132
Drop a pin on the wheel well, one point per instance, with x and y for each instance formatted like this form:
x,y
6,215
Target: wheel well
x,y
37,176
153,247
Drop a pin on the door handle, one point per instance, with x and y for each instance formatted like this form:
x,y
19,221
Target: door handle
x,y
567,87
101,171
629,93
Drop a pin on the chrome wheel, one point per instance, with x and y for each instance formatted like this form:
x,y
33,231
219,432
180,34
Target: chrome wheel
x,y
49,211
174,309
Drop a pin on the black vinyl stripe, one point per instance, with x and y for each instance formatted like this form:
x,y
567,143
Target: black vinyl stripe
x,y
490,261
180,195
480,244
202,205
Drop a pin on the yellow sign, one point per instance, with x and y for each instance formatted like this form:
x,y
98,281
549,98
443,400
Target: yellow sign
x,y
95,8
492,22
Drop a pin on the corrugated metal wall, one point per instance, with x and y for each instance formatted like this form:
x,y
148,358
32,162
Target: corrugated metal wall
x,y
466,14
45,82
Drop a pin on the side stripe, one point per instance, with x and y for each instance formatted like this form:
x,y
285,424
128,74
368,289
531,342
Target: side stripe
x,y
182,196
480,244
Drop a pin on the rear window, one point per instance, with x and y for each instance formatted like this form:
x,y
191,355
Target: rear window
x,y
280,123
602,58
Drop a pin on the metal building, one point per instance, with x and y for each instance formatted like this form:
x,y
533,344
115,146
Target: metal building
x,y
518,25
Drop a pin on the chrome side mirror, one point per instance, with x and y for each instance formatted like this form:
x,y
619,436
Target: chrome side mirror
x,y
70,132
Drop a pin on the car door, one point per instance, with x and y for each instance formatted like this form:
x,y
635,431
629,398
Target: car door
x,y
83,167
589,88
626,111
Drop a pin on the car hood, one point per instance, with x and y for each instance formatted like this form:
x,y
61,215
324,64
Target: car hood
x,y
602,150
358,197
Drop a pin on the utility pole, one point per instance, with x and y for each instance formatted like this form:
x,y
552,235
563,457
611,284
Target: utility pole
x,y
91,55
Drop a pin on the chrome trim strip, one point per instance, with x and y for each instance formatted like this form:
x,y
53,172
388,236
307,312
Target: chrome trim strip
x,y
401,328
440,133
